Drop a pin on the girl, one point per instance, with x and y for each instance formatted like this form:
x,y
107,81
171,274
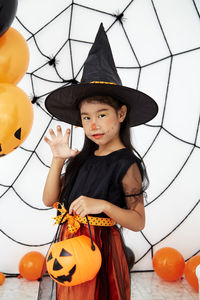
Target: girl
x,y
106,179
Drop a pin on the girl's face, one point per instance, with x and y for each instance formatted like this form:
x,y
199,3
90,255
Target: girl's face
x,y
101,122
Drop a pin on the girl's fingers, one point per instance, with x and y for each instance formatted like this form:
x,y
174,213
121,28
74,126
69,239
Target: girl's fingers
x,y
47,140
80,212
67,135
59,130
72,207
52,133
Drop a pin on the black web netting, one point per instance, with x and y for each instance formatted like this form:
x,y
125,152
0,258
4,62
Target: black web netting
x,y
156,47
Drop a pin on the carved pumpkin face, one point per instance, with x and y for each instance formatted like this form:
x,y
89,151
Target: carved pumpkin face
x,y
16,117
71,262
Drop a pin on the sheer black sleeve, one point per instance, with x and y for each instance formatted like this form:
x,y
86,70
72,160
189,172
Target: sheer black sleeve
x,y
132,186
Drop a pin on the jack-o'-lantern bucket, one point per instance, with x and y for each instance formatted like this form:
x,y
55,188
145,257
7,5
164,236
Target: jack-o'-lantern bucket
x,y
73,261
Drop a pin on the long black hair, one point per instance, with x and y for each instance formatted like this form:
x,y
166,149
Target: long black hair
x,y
74,163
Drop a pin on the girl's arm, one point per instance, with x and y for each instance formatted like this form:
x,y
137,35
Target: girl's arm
x,y
61,151
131,219
53,183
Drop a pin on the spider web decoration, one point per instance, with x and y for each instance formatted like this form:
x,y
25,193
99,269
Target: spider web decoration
x,y
156,48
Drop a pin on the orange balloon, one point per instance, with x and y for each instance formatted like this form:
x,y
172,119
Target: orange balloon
x,y
168,263
31,265
190,271
14,56
16,117
2,278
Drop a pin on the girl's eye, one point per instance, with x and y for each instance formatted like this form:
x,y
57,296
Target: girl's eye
x,y
101,116
86,118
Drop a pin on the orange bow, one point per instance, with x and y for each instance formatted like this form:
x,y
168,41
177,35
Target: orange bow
x,y
73,223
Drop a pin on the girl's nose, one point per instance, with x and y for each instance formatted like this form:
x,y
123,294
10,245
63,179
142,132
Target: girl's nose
x,y
93,126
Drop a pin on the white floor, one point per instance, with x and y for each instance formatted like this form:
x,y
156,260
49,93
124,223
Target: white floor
x,y
145,286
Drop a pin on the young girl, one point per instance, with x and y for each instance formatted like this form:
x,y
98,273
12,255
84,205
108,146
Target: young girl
x,y
105,179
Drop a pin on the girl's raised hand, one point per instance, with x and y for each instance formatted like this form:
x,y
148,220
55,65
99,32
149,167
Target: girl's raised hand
x,y
59,144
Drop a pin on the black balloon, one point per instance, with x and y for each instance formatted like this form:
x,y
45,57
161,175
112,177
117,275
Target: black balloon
x,y
130,258
8,10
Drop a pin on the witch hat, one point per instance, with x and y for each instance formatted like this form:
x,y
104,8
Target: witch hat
x,y
100,78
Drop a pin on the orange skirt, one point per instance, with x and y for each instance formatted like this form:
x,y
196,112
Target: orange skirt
x,y
113,279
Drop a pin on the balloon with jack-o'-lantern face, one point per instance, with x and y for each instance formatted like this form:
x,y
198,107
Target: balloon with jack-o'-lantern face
x,y
16,117
72,262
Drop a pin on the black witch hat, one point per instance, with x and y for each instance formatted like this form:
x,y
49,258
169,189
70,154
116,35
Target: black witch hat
x,y
100,78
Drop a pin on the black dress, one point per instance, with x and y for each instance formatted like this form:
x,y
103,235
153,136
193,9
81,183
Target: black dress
x,y
107,177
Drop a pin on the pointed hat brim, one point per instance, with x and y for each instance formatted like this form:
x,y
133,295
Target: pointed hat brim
x,y
63,102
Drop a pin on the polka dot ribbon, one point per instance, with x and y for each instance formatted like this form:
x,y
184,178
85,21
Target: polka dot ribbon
x,y
74,221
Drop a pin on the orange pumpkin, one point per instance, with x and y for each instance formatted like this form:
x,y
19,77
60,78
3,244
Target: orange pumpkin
x,y
72,262
16,117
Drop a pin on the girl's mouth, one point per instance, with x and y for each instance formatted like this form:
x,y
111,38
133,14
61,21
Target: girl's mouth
x,y
98,136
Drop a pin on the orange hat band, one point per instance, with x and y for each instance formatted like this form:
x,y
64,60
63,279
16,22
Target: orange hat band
x,y
103,82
